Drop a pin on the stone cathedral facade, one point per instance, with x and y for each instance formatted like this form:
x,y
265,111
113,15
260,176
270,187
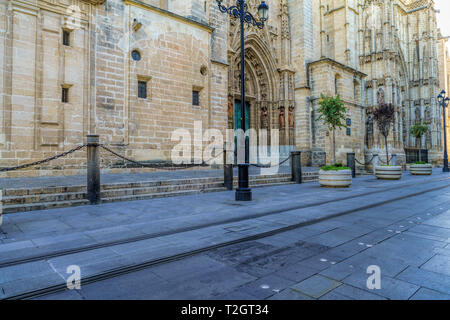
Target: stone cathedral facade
x,y
133,71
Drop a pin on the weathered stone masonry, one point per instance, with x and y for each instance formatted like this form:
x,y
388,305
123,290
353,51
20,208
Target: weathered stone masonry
x,y
363,50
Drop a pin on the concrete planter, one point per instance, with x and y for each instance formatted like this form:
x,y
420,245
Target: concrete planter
x,y
335,179
421,169
388,173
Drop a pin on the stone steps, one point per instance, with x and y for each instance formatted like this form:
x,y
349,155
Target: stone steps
x,y
43,206
43,190
45,197
20,200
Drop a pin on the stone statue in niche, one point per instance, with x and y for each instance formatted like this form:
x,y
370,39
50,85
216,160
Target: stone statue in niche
x,y
237,79
380,96
427,114
264,118
428,139
417,112
291,117
281,117
369,129
230,108
405,134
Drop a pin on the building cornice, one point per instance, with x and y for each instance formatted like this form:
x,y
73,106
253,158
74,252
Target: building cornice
x,y
162,12
95,2
337,64
334,10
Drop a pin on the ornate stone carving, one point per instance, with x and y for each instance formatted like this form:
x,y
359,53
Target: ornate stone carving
x,y
230,107
264,118
285,31
291,117
282,118
380,96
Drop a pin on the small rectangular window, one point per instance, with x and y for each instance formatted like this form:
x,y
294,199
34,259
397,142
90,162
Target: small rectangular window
x,y
196,98
336,86
348,121
66,38
142,89
65,95
349,131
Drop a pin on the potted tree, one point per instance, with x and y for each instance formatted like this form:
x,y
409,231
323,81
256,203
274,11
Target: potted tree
x,y
333,112
384,115
420,168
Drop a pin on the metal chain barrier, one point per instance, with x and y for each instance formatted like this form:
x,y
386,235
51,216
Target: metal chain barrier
x,y
365,164
141,164
270,165
24,166
388,161
159,165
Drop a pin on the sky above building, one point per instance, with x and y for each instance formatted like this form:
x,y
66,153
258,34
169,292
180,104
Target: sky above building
x,y
443,18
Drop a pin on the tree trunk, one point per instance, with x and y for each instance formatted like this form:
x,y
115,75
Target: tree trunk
x,y
387,152
334,147
420,149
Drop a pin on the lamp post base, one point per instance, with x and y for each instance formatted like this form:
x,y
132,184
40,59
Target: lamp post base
x,y
446,169
243,195
243,192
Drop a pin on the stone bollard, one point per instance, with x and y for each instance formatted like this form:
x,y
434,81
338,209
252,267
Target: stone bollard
x,y
296,166
93,169
351,163
394,159
375,163
227,170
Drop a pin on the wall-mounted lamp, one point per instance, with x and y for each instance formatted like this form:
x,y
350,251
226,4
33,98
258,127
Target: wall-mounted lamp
x,y
136,25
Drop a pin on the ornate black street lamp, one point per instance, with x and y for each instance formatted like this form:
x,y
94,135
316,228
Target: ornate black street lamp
x,y
243,192
443,101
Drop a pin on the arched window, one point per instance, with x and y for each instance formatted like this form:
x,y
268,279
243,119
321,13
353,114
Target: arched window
x,y
356,91
337,80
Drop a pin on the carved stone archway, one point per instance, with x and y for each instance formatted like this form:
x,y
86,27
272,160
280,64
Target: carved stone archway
x,y
269,92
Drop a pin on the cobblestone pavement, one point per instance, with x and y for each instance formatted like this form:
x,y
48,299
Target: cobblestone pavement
x,y
401,227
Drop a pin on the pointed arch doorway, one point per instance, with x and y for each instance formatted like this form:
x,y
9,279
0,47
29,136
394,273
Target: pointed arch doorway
x,y
269,100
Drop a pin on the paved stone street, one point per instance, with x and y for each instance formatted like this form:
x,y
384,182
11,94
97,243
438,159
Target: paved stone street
x,y
291,242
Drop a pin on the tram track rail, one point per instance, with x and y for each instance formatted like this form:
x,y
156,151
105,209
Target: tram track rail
x,y
61,253
154,262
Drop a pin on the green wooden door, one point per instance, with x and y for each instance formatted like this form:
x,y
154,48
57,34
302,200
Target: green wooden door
x,y
238,125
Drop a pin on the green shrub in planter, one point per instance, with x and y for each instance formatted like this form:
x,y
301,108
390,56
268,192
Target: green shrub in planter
x,y
334,168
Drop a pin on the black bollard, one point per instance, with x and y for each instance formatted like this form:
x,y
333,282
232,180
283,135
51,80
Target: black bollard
x,y
243,192
227,171
351,163
296,166
93,169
